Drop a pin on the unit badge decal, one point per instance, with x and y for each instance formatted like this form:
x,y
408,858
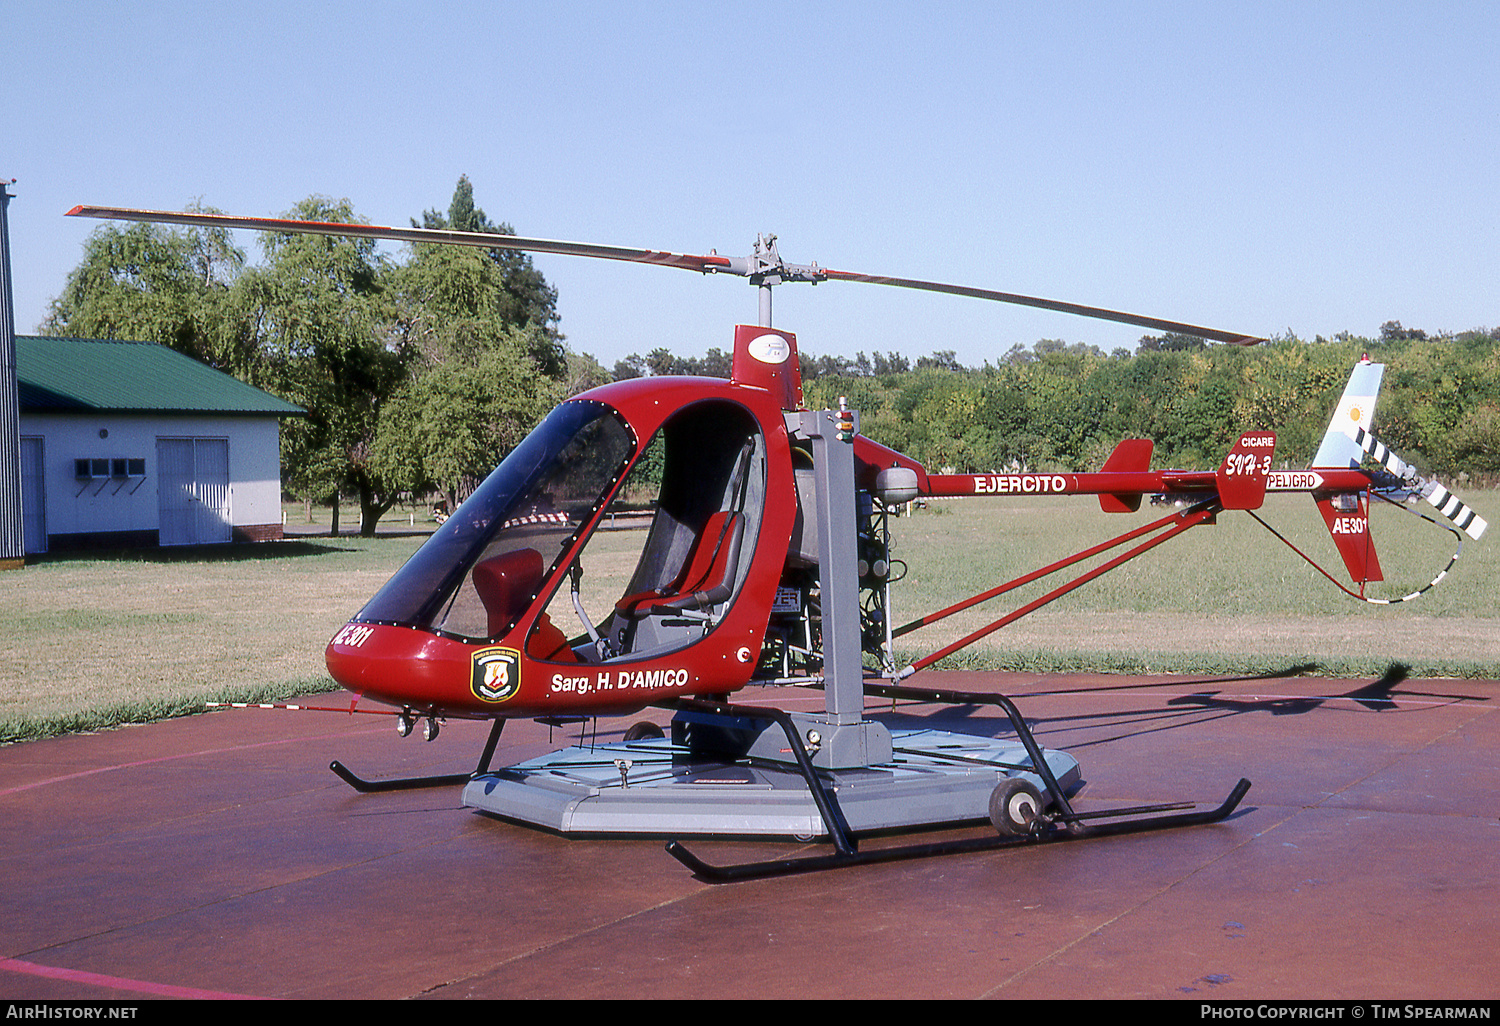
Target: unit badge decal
x,y
496,675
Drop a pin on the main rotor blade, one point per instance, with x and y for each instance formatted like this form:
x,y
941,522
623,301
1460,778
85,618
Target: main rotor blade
x,y
442,236
1098,313
712,263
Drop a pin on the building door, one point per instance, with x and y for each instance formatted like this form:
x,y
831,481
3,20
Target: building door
x,y
33,497
193,490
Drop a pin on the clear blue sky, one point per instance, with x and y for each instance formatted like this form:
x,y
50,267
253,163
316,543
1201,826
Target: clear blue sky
x,y
1258,167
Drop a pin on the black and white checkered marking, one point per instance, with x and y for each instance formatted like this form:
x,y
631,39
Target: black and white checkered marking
x,y
1442,500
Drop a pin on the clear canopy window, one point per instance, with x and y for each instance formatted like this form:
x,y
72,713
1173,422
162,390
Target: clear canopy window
x,y
480,570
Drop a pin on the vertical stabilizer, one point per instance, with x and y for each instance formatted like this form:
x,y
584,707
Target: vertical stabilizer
x,y
1242,476
1348,520
1355,411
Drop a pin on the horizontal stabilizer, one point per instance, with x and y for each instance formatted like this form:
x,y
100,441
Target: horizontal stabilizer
x,y
1132,455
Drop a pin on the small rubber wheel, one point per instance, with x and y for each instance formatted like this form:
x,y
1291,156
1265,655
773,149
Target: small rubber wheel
x,y
642,731
1014,807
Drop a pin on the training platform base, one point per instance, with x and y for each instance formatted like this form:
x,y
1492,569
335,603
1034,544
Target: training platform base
x,y
658,788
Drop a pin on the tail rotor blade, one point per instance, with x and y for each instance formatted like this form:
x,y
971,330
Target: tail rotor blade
x,y
1450,506
1438,497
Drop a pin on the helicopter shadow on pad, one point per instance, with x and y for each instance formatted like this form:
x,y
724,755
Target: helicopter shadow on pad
x,y
1380,695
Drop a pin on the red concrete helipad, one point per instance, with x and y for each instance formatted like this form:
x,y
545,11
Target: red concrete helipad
x,y
217,856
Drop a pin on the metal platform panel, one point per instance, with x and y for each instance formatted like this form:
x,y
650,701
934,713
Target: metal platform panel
x,y
655,788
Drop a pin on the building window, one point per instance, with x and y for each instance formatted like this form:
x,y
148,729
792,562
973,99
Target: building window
x,y
103,469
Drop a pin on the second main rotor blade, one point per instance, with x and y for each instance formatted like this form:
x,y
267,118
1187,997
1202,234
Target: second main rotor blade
x,y
1098,313
709,264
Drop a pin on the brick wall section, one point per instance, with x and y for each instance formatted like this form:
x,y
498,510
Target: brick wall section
x,y
257,532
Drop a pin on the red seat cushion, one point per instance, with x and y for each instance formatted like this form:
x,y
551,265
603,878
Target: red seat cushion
x,y
702,571
506,585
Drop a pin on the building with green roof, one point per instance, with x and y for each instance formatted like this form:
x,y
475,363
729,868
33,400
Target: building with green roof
x,y
127,444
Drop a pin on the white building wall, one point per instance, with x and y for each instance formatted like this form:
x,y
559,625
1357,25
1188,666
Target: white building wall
x,y
116,505
254,469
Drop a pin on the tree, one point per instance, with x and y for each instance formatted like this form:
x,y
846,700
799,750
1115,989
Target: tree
x,y
151,283
318,310
1392,331
485,363
661,361
584,373
1018,354
942,359
630,367
447,429
521,294
1171,342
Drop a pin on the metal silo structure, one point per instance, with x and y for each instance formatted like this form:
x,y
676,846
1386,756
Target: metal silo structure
x,y
12,539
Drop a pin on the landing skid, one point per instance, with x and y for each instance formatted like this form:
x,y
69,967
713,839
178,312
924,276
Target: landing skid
x,y
1048,829
364,786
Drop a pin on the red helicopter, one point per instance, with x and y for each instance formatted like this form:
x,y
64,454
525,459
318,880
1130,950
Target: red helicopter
x,y
764,560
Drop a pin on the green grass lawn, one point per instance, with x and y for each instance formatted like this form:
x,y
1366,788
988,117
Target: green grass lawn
x,y
90,642
301,518
1229,596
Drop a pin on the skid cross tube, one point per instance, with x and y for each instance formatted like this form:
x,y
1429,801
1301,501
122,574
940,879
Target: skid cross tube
x,y
1017,722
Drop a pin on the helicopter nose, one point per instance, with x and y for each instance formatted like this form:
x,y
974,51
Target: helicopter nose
x,y
394,664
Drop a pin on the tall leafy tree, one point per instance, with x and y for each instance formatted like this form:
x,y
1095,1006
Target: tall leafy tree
x,y
446,429
152,283
319,309
518,293
486,362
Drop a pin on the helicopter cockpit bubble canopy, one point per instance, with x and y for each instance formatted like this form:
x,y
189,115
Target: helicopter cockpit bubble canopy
x,y
535,501
689,453
641,528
